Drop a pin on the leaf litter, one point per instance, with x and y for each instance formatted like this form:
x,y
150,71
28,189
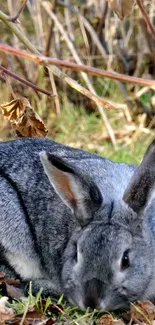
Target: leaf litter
x,y
24,120
16,309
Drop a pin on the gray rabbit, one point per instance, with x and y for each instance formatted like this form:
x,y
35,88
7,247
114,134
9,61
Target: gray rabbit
x,y
78,224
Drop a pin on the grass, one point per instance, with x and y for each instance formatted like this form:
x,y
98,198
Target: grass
x,y
77,128
80,129
59,311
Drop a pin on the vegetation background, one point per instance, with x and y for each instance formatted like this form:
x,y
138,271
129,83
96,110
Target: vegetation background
x,y
83,32
86,32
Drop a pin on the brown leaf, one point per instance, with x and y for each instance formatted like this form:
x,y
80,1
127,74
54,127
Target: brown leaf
x,y
24,120
13,110
2,275
50,322
10,281
12,291
34,315
142,311
18,322
6,313
109,320
122,8
54,309
31,315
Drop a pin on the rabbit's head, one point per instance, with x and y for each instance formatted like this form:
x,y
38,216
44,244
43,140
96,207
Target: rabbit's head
x,y
109,260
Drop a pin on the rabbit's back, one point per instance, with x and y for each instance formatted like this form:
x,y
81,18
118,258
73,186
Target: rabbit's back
x,y
36,223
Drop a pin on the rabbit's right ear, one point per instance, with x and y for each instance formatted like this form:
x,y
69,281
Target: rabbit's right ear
x,y
77,190
142,182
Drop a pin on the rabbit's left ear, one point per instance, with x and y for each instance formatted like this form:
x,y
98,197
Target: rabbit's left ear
x,y
142,182
76,189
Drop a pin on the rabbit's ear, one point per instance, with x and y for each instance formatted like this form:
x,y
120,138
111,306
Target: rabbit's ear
x,y
142,183
76,189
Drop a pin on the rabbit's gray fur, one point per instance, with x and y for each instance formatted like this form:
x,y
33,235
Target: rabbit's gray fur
x,y
69,233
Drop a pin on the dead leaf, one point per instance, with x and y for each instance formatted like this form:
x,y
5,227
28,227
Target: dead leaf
x,y
34,315
18,322
2,275
50,322
10,281
11,291
9,287
13,110
109,320
6,313
122,8
142,311
54,309
24,120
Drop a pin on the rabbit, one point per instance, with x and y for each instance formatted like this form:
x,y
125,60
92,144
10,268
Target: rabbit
x,y
77,224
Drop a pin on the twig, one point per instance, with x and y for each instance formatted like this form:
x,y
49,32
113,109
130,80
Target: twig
x,y
35,12
24,315
34,9
43,60
89,28
144,13
70,44
74,84
102,20
15,18
7,79
68,20
27,83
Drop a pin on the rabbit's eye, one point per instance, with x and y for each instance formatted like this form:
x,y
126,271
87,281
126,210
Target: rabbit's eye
x,y
75,254
125,263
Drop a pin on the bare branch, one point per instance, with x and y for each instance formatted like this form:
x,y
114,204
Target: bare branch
x,y
14,19
44,60
74,84
25,82
144,13
70,44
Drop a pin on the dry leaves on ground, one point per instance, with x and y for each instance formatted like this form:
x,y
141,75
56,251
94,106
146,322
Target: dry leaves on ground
x,y
23,119
10,287
6,314
39,317
142,312
122,8
108,319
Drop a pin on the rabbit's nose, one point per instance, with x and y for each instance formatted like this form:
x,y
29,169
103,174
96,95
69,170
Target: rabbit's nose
x,y
93,290
90,302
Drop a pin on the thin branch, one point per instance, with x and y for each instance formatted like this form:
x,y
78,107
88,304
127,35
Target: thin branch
x,y
44,60
144,13
14,19
88,26
47,7
74,84
25,82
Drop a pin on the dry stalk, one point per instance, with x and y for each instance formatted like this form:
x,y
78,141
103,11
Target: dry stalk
x,y
14,19
88,27
144,13
47,7
43,60
25,82
53,68
35,12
